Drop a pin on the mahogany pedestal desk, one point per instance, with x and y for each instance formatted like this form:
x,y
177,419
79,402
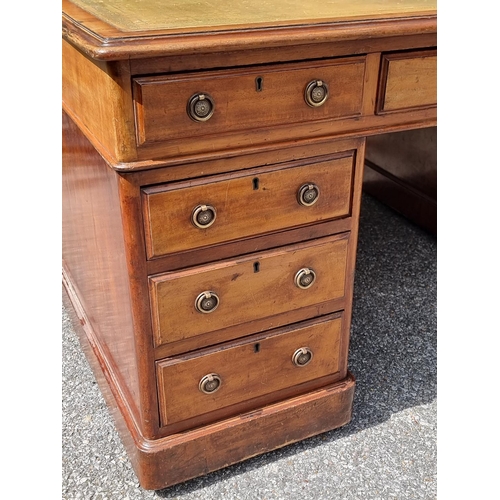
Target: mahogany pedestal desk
x,y
212,170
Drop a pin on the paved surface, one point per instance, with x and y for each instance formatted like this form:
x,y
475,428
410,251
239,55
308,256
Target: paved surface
x,y
387,451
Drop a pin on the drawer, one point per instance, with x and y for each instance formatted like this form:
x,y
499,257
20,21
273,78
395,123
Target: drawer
x,y
235,374
408,80
245,98
246,203
233,292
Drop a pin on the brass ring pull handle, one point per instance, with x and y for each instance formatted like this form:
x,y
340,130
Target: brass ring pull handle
x,y
206,302
308,194
200,107
302,357
305,278
316,93
210,383
203,216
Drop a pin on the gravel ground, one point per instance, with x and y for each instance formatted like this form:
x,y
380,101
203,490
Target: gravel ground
x,y
387,451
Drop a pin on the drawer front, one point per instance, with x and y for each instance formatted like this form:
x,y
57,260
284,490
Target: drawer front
x,y
409,80
245,204
249,369
258,285
243,99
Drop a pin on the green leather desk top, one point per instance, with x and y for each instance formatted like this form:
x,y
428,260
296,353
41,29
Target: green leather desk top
x,y
151,15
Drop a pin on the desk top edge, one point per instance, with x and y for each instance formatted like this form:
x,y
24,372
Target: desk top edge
x,y
103,41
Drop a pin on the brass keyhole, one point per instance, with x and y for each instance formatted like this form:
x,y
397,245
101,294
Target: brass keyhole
x,y
259,81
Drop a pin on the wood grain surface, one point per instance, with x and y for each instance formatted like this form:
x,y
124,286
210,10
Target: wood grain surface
x,y
161,101
409,80
257,366
244,294
96,94
94,256
249,203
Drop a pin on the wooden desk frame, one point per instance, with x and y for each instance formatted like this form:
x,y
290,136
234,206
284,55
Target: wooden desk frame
x,y
107,168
